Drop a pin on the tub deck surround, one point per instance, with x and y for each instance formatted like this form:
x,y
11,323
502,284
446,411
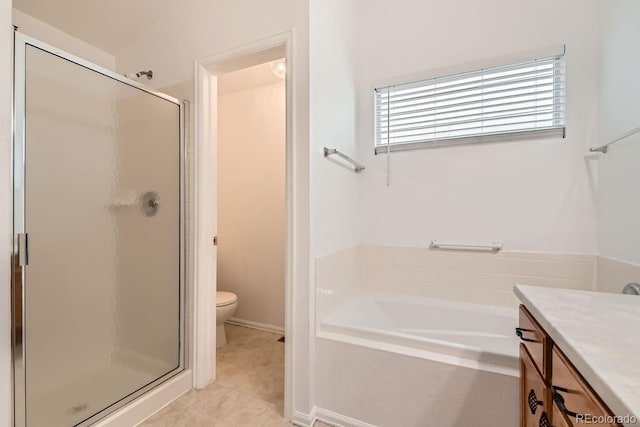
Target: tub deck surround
x,y
472,335
598,332
375,387
470,277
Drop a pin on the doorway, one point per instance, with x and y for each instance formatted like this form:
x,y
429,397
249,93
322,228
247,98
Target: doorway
x,y
251,135
211,275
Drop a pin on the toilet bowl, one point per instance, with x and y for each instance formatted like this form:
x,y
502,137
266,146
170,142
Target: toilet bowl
x,y
226,304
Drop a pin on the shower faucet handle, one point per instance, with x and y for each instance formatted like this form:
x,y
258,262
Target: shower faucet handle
x,y
150,203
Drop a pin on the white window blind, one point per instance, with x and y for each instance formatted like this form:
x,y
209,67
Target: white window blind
x,y
519,100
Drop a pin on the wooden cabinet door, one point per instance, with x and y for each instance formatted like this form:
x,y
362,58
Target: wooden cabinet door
x,y
581,405
534,399
536,341
558,418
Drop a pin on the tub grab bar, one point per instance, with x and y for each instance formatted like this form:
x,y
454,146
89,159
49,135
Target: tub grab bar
x,y
494,246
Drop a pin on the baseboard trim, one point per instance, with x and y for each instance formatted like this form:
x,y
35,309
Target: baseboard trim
x,y
304,420
256,325
338,420
327,417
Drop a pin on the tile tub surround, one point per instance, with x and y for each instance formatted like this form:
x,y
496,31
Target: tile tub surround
x,y
249,390
613,274
598,333
339,276
476,277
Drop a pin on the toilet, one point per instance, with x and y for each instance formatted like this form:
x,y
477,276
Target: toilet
x,y
226,304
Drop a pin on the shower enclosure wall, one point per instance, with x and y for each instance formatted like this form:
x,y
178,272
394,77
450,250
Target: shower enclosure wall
x,y
98,239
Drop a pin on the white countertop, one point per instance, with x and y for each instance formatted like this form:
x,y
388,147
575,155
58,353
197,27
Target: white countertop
x,y
600,333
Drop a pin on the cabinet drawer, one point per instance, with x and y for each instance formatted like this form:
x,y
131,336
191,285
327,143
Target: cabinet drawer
x,y
572,391
534,394
537,342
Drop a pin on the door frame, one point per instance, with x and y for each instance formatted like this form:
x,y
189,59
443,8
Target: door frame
x,y
205,206
154,400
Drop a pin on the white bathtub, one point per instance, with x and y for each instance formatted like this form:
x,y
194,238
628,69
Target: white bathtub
x,y
472,335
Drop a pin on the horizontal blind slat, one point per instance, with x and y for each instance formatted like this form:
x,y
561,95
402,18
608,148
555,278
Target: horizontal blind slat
x,y
435,133
454,121
426,118
382,114
530,90
466,87
488,103
472,139
556,61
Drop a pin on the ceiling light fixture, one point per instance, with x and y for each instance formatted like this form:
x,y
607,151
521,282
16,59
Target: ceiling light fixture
x,y
279,68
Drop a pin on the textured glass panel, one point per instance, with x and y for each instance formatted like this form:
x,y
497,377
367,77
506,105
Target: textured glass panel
x,y
102,213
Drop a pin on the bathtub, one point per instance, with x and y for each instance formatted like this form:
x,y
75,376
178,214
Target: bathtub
x,y
477,336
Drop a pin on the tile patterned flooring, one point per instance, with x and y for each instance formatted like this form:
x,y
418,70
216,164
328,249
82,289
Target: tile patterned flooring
x,y
249,390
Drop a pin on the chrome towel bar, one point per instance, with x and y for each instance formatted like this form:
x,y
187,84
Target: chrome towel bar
x,y
494,246
604,148
357,167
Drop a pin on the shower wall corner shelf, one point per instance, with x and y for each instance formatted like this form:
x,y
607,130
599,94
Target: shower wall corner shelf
x,y
357,167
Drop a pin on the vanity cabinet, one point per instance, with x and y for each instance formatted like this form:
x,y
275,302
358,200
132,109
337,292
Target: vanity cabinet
x,y
535,395
552,391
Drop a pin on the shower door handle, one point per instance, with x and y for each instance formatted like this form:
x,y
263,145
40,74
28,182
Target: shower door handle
x,y
23,249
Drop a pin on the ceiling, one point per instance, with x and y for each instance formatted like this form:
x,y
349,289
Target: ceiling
x,y
105,24
246,78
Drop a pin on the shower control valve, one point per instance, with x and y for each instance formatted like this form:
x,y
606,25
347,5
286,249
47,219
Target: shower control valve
x,y
150,202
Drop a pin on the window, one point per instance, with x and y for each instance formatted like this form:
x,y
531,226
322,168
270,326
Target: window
x,y
514,101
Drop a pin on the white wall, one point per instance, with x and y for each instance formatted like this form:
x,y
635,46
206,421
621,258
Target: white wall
x,y
251,201
619,206
533,195
44,32
333,120
201,28
6,61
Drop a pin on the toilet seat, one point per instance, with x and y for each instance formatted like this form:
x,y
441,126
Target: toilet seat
x,y
225,298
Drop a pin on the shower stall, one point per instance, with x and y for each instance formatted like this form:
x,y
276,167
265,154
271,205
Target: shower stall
x,y
98,275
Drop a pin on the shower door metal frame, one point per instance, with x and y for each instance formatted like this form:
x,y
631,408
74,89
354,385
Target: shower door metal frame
x,y
21,41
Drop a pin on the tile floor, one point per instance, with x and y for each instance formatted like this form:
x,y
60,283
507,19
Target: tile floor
x,y
249,390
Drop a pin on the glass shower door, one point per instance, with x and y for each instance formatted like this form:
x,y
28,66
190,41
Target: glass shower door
x,y
97,210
